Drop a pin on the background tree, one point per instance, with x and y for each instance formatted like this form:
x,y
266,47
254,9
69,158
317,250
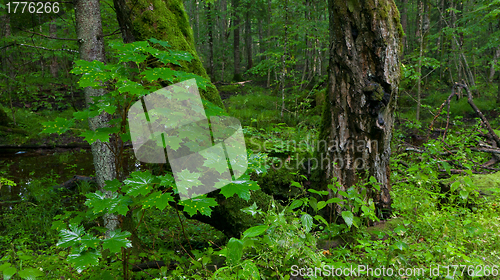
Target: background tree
x,y
363,81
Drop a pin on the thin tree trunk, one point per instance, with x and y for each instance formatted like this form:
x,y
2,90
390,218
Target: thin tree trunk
x,y
210,42
284,58
404,23
54,65
236,44
89,33
493,63
248,36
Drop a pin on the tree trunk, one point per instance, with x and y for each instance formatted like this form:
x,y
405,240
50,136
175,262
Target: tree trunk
x,y
363,79
404,23
54,65
248,36
90,36
493,63
236,44
210,41
148,19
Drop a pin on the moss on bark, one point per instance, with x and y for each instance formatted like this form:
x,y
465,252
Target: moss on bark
x,y
167,20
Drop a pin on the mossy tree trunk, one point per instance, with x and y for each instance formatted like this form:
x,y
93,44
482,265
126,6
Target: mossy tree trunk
x,y
167,20
363,78
164,20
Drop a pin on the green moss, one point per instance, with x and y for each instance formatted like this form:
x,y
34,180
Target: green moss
x,y
167,20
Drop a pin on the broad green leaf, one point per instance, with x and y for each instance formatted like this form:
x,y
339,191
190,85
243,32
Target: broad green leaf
x,y
158,199
89,241
101,134
235,251
161,43
202,205
154,74
58,126
321,219
321,205
70,237
400,230
307,222
250,270
139,183
400,245
9,272
190,179
117,240
84,259
296,204
85,114
30,273
112,185
240,187
167,181
212,110
464,194
348,217
132,88
97,202
118,204
216,162
255,231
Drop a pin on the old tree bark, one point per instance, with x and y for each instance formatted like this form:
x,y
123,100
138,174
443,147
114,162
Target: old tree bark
x,y
364,73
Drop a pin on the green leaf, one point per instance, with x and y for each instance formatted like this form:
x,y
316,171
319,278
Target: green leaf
x,y
101,134
118,204
321,205
85,259
85,114
400,230
93,73
202,205
250,270
255,231
307,222
235,251
59,126
89,241
464,194
240,187
70,237
30,273
97,202
117,240
8,271
252,210
334,200
165,74
139,183
400,245
161,43
112,185
296,204
318,192
348,217
167,181
158,199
